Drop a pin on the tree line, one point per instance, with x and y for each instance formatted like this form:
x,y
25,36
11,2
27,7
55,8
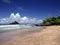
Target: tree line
x,y
51,21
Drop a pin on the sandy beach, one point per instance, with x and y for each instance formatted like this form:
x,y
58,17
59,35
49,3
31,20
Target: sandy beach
x,y
49,35
11,35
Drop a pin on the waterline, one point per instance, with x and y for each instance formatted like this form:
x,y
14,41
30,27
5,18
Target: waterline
x,y
4,28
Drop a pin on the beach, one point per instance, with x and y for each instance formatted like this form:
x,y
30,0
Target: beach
x,y
48,35
11,35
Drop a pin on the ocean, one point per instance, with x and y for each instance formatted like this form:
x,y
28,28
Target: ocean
x,y
4,28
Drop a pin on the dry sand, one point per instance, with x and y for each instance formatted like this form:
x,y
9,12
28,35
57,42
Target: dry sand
x,y
49,36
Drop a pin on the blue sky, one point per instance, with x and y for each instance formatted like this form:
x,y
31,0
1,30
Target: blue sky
x,y
39,9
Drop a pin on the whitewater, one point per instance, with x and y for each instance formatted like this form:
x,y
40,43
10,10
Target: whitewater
x,y
4,28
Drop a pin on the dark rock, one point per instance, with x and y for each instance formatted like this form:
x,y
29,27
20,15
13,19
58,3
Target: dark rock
x,y
15,22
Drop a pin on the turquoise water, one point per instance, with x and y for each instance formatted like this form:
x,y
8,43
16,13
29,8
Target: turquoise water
x,y
4,28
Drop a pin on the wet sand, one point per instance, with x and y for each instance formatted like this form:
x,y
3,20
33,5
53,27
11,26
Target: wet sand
x,y
9,36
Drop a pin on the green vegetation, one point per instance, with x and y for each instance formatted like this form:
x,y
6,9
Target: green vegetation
x,y
51,21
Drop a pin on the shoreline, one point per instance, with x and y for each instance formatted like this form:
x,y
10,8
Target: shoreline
x,y
49,35
9,36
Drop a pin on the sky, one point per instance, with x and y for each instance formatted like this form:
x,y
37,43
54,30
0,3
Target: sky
x,y
36,10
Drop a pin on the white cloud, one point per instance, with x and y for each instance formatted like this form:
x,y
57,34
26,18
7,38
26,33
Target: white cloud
x,y
3,20
19,19
17,16
24,18
12,15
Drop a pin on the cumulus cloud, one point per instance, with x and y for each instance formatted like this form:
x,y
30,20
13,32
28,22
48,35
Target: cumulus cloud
x,y
24,18
3,20
16,17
